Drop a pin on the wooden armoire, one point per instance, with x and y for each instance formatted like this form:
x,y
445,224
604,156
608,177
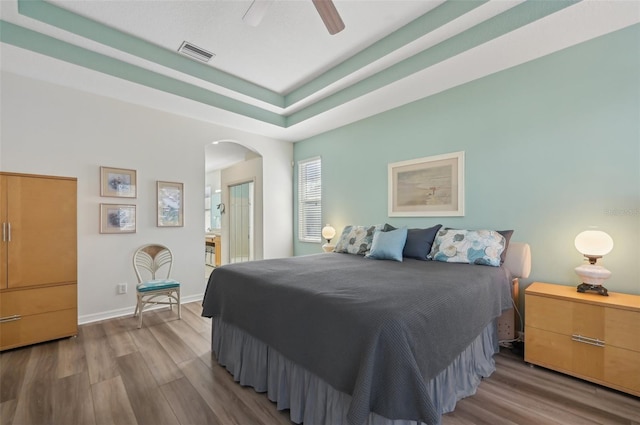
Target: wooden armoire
x,y
38,259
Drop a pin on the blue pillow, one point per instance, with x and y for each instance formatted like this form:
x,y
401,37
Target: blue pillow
x,y
419,242
388,245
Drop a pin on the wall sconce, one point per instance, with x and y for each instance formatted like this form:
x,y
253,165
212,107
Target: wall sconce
x,y
593,244
328,233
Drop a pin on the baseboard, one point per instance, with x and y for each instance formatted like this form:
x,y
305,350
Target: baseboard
x,y
128,311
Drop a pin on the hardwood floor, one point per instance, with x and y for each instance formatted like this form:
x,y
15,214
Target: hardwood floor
x,y
164,373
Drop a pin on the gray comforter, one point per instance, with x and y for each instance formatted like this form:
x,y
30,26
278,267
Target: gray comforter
x,y
377,330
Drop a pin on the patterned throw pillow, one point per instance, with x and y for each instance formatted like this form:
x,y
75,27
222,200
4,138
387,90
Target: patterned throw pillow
x,y
356,239
468,246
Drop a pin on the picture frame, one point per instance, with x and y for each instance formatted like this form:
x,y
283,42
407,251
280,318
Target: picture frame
x,y
170,204
427,187
117,218
118,182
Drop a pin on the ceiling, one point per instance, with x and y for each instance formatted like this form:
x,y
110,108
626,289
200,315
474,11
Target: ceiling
x,y
288,78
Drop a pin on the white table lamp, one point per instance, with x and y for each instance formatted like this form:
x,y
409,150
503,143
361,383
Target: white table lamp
x,y
593,244
328,233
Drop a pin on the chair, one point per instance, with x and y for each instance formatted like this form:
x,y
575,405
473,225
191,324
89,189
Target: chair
x,y
150,260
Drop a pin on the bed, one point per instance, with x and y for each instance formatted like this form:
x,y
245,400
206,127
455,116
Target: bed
x,y
345,339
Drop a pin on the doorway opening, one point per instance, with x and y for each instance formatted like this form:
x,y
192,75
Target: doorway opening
x,y
228,164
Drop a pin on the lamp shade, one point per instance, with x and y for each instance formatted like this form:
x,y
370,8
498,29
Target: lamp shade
x,y
328,232
593,243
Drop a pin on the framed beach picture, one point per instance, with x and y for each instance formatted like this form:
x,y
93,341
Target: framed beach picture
x,y
170,204
117,182
117,218
427,187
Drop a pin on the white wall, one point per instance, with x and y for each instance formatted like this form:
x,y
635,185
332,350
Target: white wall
x,y
213,179
52,130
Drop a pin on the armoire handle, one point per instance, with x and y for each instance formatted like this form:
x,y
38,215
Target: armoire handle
x,y
10,318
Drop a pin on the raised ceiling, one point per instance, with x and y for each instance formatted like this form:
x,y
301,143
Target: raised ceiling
x,y
288,78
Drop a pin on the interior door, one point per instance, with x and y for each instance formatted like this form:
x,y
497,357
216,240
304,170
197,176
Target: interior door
x,y
241,222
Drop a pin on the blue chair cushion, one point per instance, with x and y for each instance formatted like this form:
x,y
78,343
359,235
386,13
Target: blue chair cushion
x,y
155,285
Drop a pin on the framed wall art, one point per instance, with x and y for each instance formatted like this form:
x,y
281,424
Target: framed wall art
x,y
427,187
117,182
170,204
117,218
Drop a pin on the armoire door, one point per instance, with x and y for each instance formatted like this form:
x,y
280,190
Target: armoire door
x,y
40,230
4,230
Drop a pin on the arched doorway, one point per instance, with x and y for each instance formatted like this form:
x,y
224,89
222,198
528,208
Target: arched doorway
x,y
232,213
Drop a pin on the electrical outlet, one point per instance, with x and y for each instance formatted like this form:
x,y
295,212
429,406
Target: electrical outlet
x,y
122,288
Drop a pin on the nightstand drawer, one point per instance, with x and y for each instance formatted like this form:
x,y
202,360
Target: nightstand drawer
x,y
565,353
622,328
565,317
548,349
585,335
622,369
548,314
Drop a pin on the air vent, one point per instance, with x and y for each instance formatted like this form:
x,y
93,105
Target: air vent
x,y
195,52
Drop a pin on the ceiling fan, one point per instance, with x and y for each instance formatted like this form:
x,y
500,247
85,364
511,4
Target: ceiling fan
x,y
326,9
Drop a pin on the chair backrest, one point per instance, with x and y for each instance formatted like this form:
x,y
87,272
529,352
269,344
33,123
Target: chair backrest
x,y
150,259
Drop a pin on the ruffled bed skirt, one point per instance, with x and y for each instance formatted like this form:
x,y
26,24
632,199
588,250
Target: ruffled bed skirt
x,y
314,402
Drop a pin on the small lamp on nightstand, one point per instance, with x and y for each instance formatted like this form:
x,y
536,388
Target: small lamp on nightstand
x,y
328,233
593,244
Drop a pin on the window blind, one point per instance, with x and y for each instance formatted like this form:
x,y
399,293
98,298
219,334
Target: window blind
x,y
310,200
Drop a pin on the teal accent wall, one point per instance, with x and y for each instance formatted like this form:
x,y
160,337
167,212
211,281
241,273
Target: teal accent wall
x,y
551,147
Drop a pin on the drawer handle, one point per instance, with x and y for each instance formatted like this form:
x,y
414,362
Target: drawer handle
x,y
586,340
10,318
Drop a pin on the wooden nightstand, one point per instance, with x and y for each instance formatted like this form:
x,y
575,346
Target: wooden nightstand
x,y
586,335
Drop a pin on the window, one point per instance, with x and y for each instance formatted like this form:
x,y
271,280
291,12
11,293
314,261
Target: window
x,y
309,200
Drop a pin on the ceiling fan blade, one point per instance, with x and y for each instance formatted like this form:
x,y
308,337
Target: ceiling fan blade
x,y
330,16
253,16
